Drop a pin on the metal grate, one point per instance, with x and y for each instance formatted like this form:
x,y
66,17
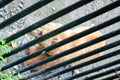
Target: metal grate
x,y
52,17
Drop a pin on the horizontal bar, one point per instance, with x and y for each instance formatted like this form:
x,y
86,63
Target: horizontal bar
x,y
62,43
112,77
48,19
85,18
58,30
63,12
23,13
69,61
93,70
85,64
103,73
4,2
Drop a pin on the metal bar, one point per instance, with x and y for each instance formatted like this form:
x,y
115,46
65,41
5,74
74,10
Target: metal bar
x,y
48,19
23,13
4,2
85,64
67,52
63,12
62,43
93,70
68,61
85,18
103,73
112,77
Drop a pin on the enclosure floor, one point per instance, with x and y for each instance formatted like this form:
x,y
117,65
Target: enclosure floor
x,y
18,5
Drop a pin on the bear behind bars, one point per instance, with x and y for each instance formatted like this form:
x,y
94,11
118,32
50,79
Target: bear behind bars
x,y
52,26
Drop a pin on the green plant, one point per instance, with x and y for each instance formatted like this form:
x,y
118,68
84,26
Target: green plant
x,y
5,48
9,76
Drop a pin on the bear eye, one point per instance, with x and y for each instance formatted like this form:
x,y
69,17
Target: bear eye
x,y
40,33
53,42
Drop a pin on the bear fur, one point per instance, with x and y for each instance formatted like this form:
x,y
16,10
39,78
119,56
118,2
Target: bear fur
x,y
52,26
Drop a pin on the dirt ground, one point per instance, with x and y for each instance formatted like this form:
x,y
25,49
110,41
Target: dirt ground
x,y
19,5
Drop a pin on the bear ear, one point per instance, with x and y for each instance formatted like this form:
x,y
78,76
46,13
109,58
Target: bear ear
x,y
37,33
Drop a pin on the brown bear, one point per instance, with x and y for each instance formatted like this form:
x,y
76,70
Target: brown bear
x,y
52,26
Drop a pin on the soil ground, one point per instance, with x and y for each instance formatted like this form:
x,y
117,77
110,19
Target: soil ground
x,y
19,5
